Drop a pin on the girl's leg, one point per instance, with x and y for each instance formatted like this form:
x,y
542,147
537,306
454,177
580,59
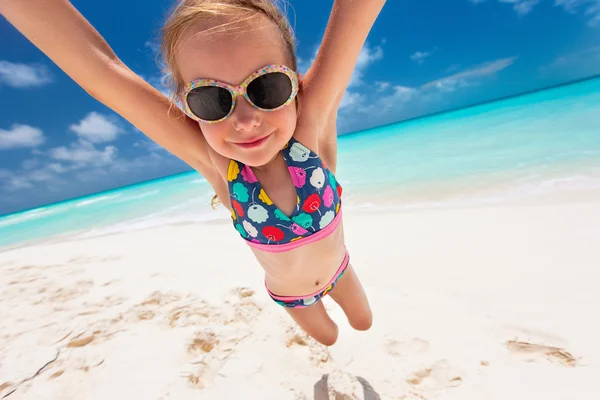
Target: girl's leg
x,y
350,295
315,321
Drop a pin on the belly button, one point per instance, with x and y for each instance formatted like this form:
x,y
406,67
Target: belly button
x,y
316,283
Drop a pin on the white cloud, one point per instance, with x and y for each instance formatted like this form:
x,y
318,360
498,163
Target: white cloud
x,y
303,65
82,160
380,109
43,178
354,104
23,75
591,8
20,136
574,65
381,86
85,162
159,79
91,175
27,179
351,99
15,183
30,163
453,68
58,168
389,102
401,95
84,153
521,7
41,175
367,56
580,56
403,92
96,128
79,155
464,78
420,56
148,144
153,46
145,161
398,97
124,166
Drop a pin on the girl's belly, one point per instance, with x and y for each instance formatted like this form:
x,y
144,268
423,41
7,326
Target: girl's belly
x,y
306,269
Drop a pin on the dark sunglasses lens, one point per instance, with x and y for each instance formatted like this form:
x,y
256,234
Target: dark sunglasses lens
x,y
209,103
270,91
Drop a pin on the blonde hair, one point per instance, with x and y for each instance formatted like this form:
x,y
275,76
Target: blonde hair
x,y
214,202
186,13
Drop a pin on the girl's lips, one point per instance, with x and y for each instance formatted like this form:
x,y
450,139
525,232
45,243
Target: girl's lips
x,y
255,143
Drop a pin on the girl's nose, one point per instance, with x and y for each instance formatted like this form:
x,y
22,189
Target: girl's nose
x,y
245,117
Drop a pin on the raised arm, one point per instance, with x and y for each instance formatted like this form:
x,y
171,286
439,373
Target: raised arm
x,y
347,30
66,37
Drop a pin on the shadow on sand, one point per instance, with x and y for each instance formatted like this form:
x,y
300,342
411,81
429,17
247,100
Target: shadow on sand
x,y
321,391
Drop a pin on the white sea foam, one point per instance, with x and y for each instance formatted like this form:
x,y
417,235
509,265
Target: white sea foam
x,y
139,196
194,209
95,200
529,188
153,221
30,215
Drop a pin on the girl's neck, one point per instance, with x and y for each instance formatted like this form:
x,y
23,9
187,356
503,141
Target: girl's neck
x,y
265,167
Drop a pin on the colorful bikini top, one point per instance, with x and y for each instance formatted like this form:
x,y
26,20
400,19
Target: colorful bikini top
x,y
264,225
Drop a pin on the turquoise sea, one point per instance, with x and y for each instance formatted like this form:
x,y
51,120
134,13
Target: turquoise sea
x,y
514,149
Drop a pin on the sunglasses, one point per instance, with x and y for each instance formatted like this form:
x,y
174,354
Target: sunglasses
x,y
267,89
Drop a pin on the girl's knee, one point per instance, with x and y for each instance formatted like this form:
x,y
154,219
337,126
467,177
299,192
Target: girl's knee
x,y
315,322
362,322
328,339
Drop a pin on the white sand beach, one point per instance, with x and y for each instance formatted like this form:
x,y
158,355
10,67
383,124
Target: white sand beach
x,y
483,303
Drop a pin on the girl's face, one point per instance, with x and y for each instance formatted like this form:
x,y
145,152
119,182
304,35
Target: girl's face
x,y
249,135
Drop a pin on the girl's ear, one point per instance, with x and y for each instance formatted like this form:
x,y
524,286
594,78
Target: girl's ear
x,y
300,80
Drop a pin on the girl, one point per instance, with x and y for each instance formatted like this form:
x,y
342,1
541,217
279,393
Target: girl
x,y
261,134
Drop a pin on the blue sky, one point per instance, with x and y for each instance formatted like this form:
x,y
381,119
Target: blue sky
x,y
56,142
